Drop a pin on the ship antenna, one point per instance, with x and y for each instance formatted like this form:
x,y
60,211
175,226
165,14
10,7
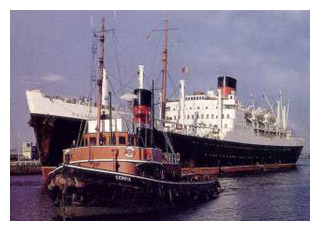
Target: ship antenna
x,y
100,80
269,103
164,60
252,101
164,70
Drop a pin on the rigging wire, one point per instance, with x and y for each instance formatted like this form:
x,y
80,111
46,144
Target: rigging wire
x,y
93,76
117,58
153,60
175,91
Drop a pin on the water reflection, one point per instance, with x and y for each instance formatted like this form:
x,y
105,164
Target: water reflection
x,y
270,196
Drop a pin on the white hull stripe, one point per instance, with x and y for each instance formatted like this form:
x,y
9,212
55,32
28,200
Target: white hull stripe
x,y
133,176
118,160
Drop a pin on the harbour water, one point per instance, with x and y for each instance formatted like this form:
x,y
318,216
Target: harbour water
x,y
281,196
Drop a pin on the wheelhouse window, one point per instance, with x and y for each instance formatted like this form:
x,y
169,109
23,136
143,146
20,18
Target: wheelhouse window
x,y
122,140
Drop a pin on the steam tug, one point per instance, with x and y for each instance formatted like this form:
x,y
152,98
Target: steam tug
x,y
118,171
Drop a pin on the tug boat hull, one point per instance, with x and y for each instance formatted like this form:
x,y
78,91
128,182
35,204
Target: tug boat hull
x,y
80,191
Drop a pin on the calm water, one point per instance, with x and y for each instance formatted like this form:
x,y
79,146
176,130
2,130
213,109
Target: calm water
x,y
268,196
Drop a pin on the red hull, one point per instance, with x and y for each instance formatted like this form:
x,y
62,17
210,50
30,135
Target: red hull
x,y
45,170
237,169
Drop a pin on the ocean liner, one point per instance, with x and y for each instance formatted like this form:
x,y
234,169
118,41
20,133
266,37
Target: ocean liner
x,y
216,130
210,129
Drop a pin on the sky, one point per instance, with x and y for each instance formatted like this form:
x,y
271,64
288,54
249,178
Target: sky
x,y
266,51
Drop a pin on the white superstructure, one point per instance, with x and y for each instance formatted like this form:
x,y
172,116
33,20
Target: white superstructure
x,y
117,125
73,108
199,114
218,116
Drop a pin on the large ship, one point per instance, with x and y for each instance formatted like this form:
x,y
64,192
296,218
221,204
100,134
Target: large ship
x,y
210,130
214,129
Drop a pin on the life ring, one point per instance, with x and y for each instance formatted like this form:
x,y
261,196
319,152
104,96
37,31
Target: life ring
x,y
129,152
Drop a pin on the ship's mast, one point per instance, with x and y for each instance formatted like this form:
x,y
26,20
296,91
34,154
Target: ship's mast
x,y
101,67
164,70
164,59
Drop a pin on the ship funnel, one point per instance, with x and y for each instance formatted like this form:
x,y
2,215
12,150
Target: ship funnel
x,y
227,85
140,76
142,107
142,102
142,116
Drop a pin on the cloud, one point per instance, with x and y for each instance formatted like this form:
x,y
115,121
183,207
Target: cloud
x,y
52,77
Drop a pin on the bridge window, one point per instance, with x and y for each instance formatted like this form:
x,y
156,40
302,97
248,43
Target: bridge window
x,y
122,140
92,141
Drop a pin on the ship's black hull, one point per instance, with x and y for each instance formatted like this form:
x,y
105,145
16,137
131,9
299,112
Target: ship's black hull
x,y
79,191
204,152
56,133
53,134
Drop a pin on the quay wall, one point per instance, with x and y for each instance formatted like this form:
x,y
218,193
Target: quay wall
x,y
24,169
